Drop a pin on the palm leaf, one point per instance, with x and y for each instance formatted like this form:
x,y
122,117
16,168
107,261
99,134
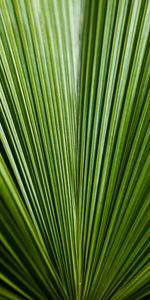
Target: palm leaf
x,y
75,149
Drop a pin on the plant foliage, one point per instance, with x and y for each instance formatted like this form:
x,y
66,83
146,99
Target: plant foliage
x,y
75,149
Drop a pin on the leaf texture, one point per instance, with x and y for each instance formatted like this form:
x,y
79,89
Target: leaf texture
x,y
75,149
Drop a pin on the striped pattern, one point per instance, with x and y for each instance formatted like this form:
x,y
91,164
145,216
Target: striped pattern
x,y
75,140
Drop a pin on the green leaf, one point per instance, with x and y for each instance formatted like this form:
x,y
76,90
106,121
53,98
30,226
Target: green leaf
x,y
75,149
